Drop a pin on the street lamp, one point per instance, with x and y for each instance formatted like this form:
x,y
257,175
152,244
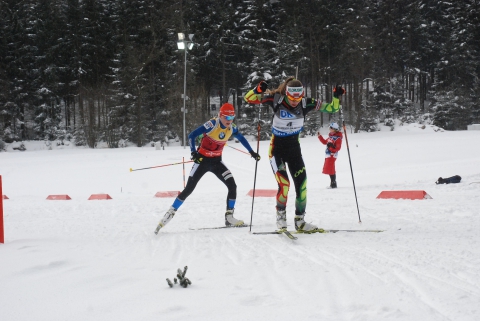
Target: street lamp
x,y
367,89
186,45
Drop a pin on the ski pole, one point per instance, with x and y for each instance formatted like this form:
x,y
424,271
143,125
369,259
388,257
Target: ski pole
x,y
350,161
256,165
139,169
238,149
183,158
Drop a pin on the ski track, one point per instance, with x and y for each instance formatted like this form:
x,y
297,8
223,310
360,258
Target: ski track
x,y
334,270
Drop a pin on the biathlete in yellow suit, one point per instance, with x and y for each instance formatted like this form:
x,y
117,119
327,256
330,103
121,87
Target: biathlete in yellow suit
x,y
208,158
290,107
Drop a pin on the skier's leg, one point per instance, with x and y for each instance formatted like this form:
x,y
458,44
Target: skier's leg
x,y
196,173
299,176
223,173
298,172
280,172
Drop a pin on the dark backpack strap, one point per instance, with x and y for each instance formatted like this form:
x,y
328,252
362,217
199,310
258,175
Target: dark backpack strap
x,y
277,101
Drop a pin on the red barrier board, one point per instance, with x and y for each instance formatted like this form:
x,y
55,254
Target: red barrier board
x,y
408,195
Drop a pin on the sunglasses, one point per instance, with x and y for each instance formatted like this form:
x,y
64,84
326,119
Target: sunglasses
x,y
229,117
294,93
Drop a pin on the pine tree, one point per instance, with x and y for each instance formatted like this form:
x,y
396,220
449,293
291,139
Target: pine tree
x,y
46,27
7,105
457,69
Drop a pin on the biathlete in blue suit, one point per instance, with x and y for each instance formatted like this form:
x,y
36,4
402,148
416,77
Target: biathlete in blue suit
x,y
208,158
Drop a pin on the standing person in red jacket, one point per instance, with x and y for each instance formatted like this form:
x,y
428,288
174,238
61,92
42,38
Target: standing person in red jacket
x,y
334,144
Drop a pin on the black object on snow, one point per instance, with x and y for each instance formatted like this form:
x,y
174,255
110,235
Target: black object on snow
x,y
449,180
183,281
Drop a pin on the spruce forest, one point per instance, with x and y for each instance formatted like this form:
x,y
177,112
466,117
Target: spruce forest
x,y
91,71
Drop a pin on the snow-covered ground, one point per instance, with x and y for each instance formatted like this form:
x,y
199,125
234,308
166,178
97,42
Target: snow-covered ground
x,y
100,260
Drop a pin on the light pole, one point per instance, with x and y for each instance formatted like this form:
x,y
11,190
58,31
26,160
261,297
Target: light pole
x,y
323,98
186,45
367,89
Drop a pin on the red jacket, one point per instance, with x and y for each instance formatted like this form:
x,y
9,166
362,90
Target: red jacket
x,y
336,139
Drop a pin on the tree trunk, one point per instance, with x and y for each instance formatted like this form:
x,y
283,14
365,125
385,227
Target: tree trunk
x,y
357,101
91,132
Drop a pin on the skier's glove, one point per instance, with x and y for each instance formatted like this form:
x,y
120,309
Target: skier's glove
x,y
196,157
330,145
338,91
255,156
261,87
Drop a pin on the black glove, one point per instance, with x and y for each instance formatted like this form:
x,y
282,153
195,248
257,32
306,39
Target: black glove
x,y
255,156
338,91
196,157
261,87
330,145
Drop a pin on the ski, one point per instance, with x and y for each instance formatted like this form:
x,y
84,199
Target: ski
x,y
362,231
217,227
317,231
287,233
281,231
290,234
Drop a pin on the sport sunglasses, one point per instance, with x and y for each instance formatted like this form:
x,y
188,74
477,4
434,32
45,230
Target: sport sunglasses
x,y
294,93
228,117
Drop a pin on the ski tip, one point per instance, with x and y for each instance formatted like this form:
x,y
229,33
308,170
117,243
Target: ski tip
x,y
287,233
243,225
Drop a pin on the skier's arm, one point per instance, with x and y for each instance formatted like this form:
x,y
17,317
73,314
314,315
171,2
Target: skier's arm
x,y
241,139
245,143
321,139
257,95
330,108
334,106
205,128
324,107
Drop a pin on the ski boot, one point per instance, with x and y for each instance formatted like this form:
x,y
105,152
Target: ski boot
x,y
168,216
230,220
281,218
302,226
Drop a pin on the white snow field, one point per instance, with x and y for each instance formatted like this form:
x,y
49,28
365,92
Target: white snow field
x,y
84,260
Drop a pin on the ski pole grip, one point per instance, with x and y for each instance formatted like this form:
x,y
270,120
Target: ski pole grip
x,y
184,271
